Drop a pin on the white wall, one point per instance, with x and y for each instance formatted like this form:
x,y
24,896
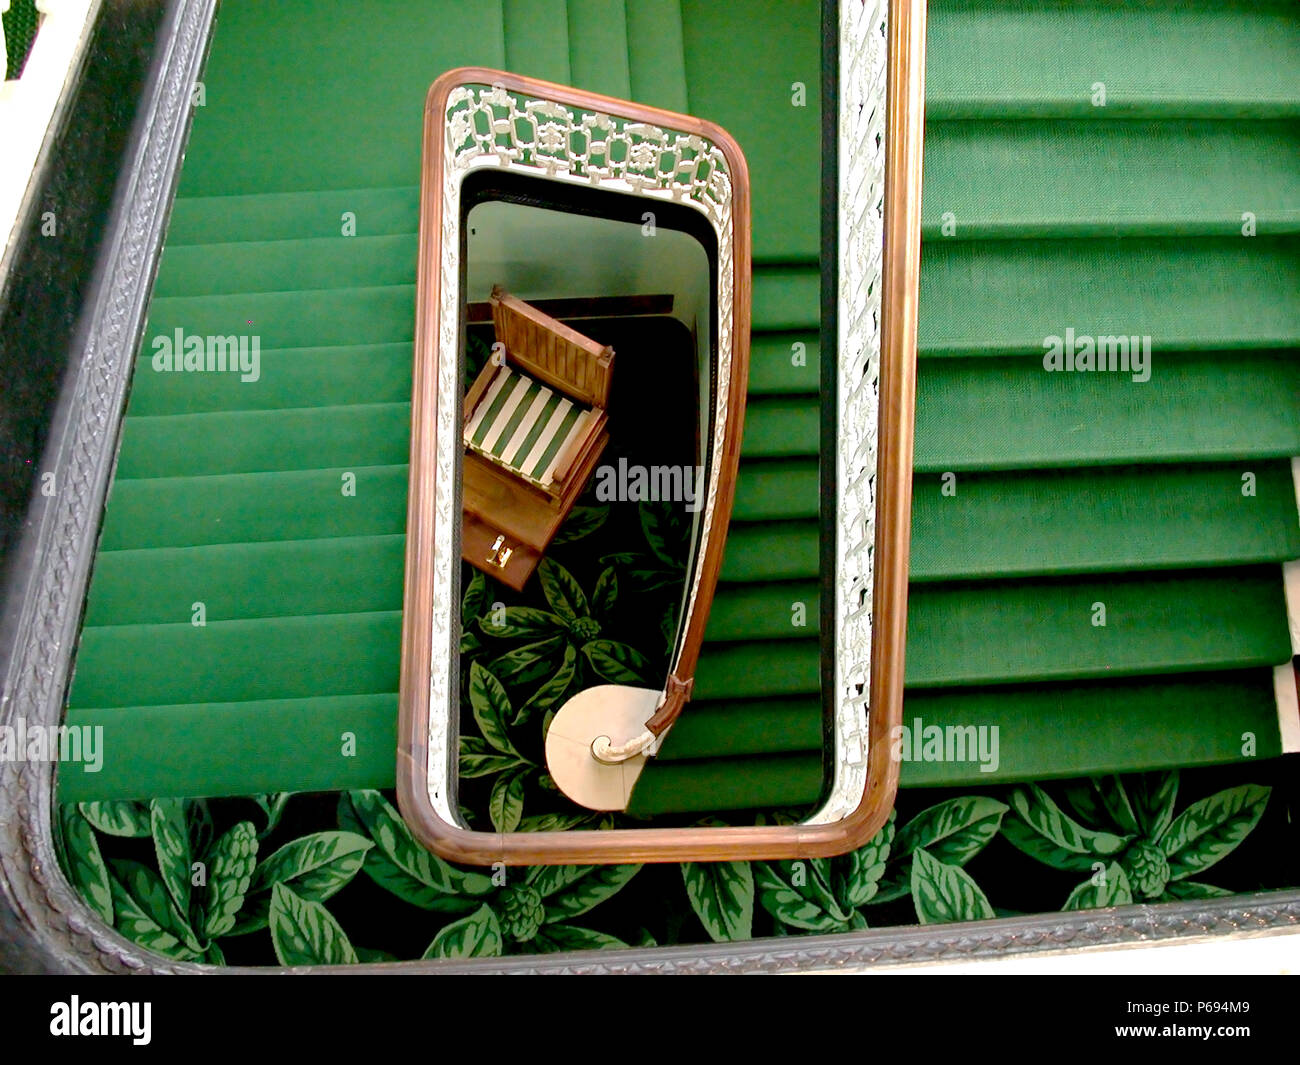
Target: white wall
x,y
535,254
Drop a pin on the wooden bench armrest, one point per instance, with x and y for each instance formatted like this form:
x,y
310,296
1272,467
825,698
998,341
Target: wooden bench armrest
x,y
480,385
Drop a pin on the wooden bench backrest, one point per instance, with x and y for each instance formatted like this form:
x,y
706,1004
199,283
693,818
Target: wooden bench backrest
x,y
552,352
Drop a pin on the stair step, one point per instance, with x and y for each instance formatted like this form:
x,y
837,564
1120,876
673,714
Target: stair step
x,y
1160,58
736,728
1054,522
781,427
787,363
728,783
254,507
1043,630
349,83
268,216
771,551
1000,179
248,580
784,300
757,669
1003,413
287,265
777,490
768,611
289,378
598,53
1007,296
1101,520
238,748
307,438
537,39
656,55
1107,726
237,661
742,74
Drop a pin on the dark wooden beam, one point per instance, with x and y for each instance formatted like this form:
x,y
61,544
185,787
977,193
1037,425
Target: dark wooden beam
x,y
586,307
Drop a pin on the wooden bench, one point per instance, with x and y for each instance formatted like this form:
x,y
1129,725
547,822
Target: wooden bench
x,y
534,428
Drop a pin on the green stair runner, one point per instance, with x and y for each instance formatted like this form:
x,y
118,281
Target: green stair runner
x,y
233,489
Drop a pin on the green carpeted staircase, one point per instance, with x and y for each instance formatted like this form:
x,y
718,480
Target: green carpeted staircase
x,y
1071,489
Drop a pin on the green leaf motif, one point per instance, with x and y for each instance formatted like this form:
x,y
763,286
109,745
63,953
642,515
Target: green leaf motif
x,y
1194,889
606,592
86,868
617,662
582,521
316,867
953,832
517,621
475,936
130,918
230,870
394,841
528,663
1025,839
893,886
798,894
1061,831
1154,798
153,901
722,896
506,803
942,893
864,868
306,933
1110,790
386,874
474,599
663,535
130,819
477,759
272,806
491,706
1083,799
668,628
554,689
558,938
563,592
171,843
553,822
1208,831
1114,889
571,890
199,827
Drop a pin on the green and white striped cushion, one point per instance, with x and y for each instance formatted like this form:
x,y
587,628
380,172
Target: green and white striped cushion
x,y
525,426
